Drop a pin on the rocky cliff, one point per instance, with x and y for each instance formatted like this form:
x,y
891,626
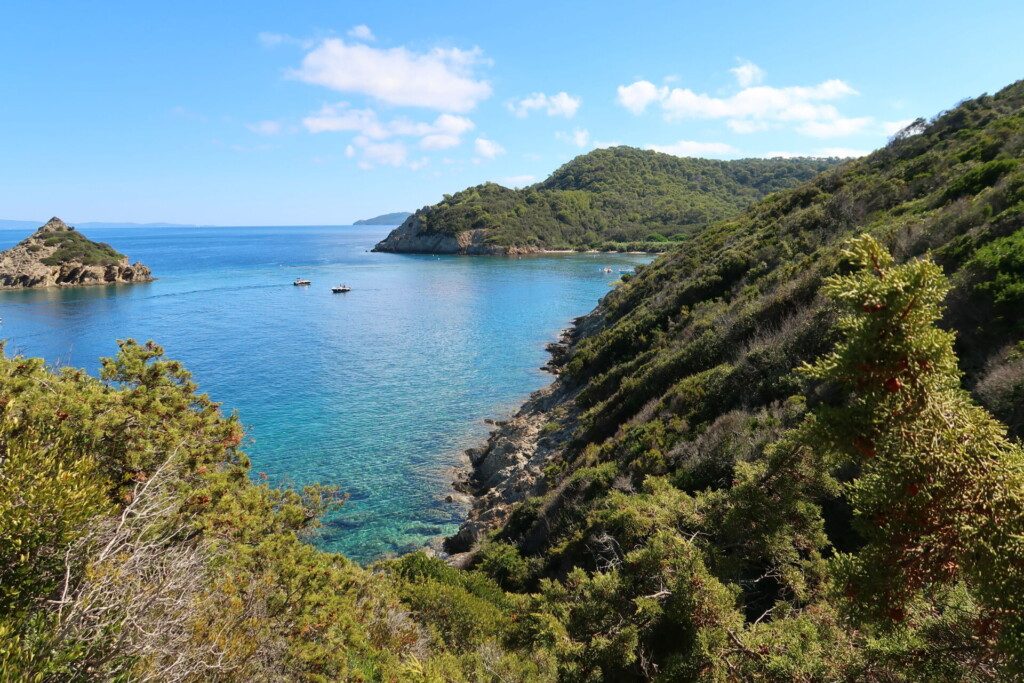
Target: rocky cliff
x,y
57,255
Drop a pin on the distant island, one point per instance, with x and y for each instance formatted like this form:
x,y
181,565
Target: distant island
x,y
619,198
57,255
396,218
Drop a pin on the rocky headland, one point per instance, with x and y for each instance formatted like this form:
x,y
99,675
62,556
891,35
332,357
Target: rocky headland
x,y
57,255
412,237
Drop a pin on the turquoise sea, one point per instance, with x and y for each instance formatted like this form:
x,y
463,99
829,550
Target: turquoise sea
x,y
376,391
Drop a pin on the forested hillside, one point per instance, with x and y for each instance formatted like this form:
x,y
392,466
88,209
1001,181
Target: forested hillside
x,y
786,450
621,197
718,506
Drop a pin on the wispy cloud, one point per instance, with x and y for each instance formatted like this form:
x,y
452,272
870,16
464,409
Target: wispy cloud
x,y
559,104
361,32
444,79
265,127
445,131
579,137
270,40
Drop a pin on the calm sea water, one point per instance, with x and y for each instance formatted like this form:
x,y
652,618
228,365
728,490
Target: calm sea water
x,y
376,391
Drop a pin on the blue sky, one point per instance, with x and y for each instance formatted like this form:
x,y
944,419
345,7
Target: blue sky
x,y
324,112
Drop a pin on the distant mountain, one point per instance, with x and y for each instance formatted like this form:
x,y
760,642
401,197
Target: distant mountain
x,y
396,218
614,198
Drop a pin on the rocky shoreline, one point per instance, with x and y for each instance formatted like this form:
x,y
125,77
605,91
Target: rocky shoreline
x,y
409,238
56,255
509,467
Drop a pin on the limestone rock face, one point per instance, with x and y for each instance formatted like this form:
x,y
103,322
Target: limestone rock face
x,y
410,238
56,255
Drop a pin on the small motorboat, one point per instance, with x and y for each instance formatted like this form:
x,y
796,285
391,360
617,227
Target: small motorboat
x,y
607,270
341,289
299,282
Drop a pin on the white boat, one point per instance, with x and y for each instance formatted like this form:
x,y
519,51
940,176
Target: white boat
x,y
341,289
299,282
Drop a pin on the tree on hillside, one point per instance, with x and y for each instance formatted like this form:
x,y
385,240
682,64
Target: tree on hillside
x,y
939,493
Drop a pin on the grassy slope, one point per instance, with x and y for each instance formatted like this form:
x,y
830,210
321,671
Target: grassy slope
x,y
618,196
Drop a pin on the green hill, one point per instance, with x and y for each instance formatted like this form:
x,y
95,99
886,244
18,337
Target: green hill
x,y
769,455
615,198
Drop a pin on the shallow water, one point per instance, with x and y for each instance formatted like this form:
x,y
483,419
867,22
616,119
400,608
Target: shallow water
x,y
376,391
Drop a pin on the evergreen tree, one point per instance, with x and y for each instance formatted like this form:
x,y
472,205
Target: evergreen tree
x,y
939,494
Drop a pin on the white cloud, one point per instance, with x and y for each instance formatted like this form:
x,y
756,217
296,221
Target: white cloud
x,y
361,32
794,103
637,96
444,132
488,149
692,148
747,74
265,127
755,107
559,104
350,151
579,137
890,128
441,79
518,180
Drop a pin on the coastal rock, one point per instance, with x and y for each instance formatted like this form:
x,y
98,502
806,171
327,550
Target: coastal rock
x,y
412,238
56,255
510,467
